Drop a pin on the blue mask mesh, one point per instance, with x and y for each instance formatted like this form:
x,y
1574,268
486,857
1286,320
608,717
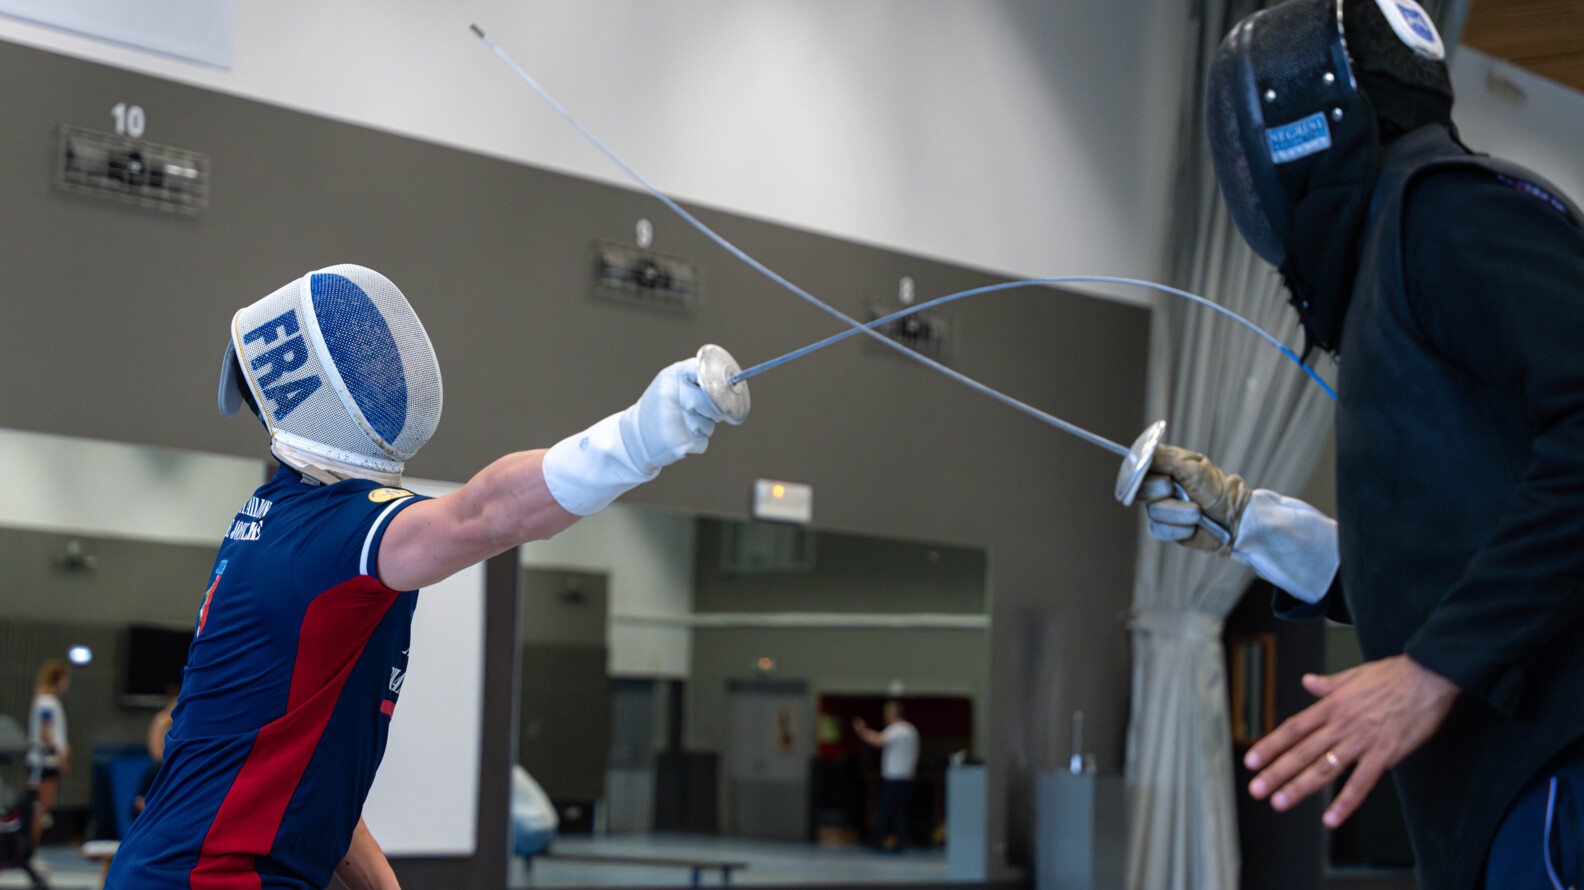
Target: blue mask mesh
x,y
364,352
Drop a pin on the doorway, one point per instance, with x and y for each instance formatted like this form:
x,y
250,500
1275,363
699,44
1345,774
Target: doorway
x,y
769,744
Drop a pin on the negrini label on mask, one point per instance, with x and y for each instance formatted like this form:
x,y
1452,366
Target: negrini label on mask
x,y
1299,139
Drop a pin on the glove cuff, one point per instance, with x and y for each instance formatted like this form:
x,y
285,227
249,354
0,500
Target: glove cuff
x,y
1288,543
630,425
1229,507
587,471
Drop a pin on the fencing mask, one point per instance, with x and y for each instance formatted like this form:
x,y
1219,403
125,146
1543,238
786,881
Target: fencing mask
x,y
1283,95
340,370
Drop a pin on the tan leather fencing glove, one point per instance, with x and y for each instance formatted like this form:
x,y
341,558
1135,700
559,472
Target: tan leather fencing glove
x,y
1284,540
1219,496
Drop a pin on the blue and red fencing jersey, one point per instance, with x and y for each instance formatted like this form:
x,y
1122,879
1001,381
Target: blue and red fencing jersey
x,y
290,684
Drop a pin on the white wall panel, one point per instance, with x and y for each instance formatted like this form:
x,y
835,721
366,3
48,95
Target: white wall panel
x,y
1521,117
84,486
199,30
425,799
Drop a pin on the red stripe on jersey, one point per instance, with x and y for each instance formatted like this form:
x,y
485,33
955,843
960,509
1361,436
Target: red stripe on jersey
x,y
334,631
387,707
203,614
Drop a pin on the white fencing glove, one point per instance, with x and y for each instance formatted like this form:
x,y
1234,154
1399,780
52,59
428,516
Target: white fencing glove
x,y
1286,541
672,419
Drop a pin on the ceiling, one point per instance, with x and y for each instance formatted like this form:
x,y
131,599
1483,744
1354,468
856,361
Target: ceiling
x,y
1544,36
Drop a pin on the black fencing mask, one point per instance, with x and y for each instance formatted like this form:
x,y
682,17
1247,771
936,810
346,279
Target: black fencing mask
x,y
1295,139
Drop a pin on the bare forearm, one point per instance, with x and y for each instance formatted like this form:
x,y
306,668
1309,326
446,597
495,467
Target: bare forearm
x,y
510,503
156,737
364,867
505,504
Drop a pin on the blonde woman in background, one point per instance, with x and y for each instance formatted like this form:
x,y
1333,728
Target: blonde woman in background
x,y
49,754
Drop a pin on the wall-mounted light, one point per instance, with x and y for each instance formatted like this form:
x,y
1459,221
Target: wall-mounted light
x,y
782,501
76,560
80,654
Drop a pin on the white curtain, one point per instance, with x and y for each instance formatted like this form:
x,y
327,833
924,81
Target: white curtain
x,y
1228,394
1233,397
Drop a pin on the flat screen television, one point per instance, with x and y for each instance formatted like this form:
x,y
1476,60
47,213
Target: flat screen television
x,y
155,657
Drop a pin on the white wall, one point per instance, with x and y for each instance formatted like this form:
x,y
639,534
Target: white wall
x,y
1521,117
83,486
424,801
1026,138
648,555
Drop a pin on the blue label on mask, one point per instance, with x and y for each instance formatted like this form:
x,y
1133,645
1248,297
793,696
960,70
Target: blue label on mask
x,y
1417,23
1298,139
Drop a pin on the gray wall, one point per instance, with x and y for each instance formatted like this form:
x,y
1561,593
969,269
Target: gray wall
x,y
564,714
131,581
116,318
563,731
862,661
851,573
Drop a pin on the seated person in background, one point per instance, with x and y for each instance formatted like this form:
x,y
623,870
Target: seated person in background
x,y
158,726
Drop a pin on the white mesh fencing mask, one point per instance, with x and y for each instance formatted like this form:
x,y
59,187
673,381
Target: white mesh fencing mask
x,y
340,370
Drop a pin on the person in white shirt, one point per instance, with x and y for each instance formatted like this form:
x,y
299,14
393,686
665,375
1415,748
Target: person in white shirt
x,y
49,754
899,752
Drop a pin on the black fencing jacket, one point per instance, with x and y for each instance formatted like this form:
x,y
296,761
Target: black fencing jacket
x,y
1460,477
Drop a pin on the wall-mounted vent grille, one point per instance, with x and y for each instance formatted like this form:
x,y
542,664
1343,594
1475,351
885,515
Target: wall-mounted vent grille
x,y
928,333
646,278
766,548
132,171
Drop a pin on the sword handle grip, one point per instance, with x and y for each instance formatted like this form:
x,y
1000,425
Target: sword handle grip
x,y
1219,532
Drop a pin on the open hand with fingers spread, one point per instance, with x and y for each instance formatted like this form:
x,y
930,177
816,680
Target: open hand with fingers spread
x,y
1372,715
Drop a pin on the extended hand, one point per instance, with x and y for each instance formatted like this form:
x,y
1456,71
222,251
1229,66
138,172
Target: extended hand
x,y
1221,497
672,419
1372,715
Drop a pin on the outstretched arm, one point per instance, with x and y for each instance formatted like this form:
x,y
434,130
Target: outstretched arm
x,y
532,495
505,504
871,736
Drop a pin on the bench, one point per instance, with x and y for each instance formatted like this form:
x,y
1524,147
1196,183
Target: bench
x,y
697,866
101,852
